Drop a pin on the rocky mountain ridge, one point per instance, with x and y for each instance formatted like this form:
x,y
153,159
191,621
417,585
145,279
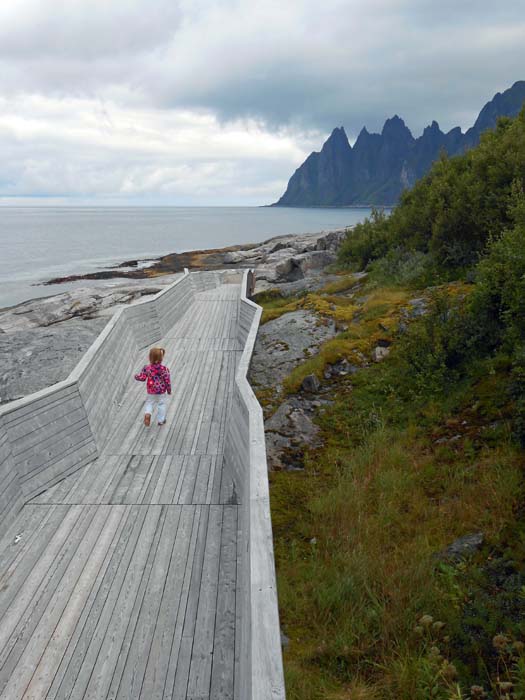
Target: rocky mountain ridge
x,y
378,167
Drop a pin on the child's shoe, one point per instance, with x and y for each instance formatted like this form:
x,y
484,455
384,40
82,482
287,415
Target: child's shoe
x,y
161,422
147,419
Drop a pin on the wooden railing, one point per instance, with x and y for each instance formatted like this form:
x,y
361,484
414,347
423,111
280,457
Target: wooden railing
x,y
261,671
48,435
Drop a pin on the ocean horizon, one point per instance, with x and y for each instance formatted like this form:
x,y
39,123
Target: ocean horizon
x,y
38,243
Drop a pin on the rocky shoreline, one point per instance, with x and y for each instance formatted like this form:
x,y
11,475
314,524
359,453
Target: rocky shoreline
x,y
281,258
41,340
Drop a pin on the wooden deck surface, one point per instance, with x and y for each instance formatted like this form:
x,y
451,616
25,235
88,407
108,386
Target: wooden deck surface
x,y
121,580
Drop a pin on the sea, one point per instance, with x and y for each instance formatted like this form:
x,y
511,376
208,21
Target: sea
x,y
41,243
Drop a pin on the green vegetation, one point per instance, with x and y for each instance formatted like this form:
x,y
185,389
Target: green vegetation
x,y
418,450
275,304
452,212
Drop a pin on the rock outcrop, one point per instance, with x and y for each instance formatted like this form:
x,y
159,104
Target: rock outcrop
x,y
289,431
283,343
293,262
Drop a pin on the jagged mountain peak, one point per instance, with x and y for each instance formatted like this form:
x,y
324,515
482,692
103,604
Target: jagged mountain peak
x,y
337,139
506,103
364,139
395,126
434,127
380,166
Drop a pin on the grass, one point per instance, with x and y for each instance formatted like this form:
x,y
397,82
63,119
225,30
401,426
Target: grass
x,y
345,283
370,611
350,601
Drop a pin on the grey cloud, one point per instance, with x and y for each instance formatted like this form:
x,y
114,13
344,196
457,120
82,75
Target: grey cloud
x,y
421,60
299,63
85,149
36,29
296,68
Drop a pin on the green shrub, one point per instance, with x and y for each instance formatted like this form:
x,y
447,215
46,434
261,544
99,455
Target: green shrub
x,y
410,268
367,241
433,351
517,391
499,300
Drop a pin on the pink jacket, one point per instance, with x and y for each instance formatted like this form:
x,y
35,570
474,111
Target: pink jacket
x,y
157,377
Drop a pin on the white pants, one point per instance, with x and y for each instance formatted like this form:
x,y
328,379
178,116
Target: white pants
x,y
158,400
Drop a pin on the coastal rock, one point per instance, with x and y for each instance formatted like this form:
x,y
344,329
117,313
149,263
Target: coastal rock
x,y
331,241
462,547
418,307
311,384
240,257
34,359
340,369
304,431
285,342
82,302
277,423
277,451
314,281
42,340
289,431
293,261
298,266
272,259
379,353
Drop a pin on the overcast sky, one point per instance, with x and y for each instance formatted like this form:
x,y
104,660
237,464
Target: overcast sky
x,y
217,102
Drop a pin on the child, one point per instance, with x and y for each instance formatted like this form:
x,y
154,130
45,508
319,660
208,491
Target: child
x,y
158,384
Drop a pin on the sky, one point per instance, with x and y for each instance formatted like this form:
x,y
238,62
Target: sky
x,y
217,102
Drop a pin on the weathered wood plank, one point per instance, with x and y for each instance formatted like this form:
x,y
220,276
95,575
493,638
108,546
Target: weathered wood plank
x,y
21,582
10,488
134,645
83,657
200,525
223,645
85,632
164,645
114,623
40,618
70,616
202,478
203,628
21,536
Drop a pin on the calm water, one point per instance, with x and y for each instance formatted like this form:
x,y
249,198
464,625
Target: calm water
x,y
39,243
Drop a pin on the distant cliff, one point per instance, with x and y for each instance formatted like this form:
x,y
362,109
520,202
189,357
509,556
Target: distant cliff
x,y
380,166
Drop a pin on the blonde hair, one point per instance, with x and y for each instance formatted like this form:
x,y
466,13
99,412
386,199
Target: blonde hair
x,y
156,355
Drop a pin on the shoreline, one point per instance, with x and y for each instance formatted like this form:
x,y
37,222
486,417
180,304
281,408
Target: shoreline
x,y
208,259
171,263
98,245
235,256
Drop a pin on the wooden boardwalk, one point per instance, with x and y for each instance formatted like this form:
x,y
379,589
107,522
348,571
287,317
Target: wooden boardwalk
x,y
121,580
